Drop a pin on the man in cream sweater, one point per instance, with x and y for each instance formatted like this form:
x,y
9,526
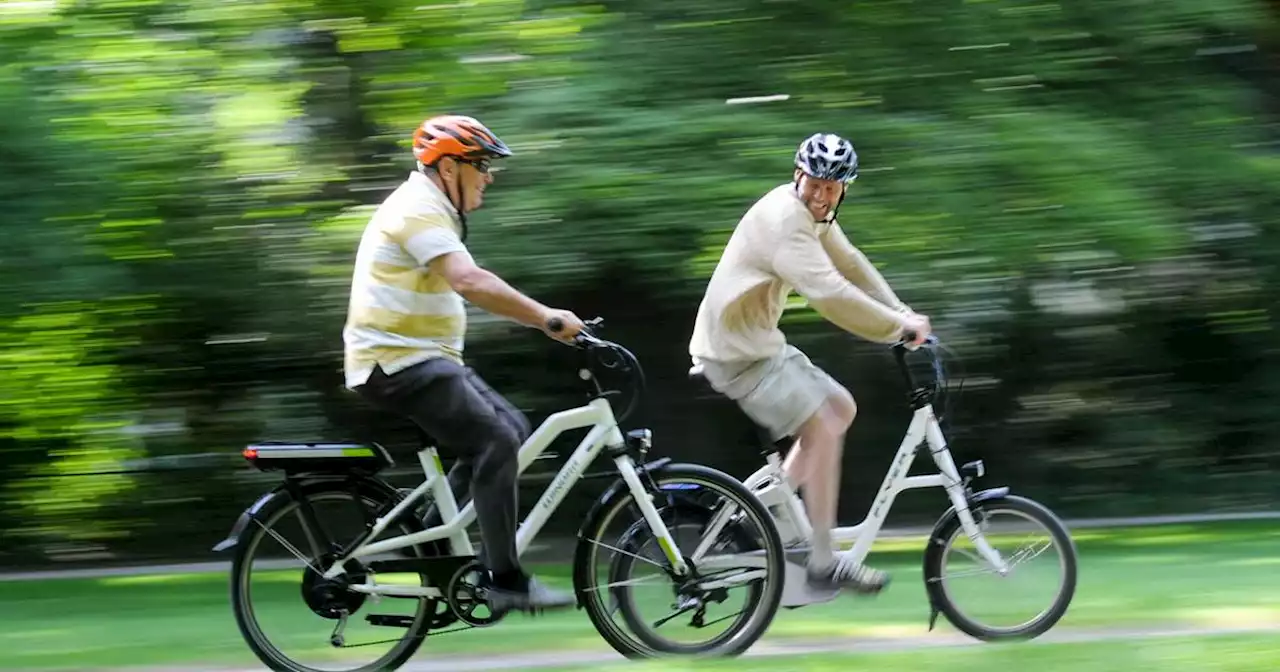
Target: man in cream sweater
x,y
789,240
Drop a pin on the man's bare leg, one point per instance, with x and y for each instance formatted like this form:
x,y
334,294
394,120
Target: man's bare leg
x,y
795,467
823,438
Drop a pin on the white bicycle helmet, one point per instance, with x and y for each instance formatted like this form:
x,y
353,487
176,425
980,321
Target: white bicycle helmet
x,y
827,156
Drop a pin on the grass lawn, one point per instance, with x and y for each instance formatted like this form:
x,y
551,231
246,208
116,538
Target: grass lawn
x,y
1201,575
1195,654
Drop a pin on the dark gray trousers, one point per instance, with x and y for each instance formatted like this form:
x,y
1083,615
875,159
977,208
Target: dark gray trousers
x,y
458,409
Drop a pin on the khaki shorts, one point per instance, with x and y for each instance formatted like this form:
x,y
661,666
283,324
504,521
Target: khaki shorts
x,y
778,393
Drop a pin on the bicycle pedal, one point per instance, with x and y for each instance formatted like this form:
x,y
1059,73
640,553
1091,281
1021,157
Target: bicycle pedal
x,y
388,620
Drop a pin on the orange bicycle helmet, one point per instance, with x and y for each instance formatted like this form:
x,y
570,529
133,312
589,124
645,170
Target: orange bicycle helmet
x,y
458,136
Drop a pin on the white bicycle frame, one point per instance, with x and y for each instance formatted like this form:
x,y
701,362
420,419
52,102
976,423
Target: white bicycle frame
x,y
598,415
770,485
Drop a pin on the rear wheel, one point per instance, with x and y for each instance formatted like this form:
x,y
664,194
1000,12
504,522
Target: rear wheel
x,y
621,571
293,618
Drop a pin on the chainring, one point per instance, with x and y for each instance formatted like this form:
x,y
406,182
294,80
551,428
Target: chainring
x,y
466,596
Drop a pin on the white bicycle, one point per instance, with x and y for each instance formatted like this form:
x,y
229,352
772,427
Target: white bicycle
x,y
326,579
971,517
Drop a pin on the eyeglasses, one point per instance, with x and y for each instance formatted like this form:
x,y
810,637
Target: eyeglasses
x,y
481,165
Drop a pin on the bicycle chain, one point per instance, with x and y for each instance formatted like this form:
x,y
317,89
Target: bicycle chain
x,y
389,641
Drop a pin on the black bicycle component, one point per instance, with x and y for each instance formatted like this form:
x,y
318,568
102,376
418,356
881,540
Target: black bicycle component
x,y
389,620
465,596
330,598
600,354
441,616
921,395
635,444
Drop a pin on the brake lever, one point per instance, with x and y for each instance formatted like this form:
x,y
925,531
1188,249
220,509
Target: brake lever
x,y
583,337
908,336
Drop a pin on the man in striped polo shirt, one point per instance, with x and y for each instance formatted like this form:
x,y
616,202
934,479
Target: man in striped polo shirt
x,y
406,324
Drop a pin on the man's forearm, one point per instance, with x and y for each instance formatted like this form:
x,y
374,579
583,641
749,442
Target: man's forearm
x,y
860,314
860,271
493,294
879,288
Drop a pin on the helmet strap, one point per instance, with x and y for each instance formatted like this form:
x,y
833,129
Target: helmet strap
x,y
457,204
462,210
831,216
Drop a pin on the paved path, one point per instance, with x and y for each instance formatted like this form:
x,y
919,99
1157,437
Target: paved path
x,y
425,662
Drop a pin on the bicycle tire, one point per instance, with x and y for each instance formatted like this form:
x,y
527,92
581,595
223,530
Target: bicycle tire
x,y
638,647
947,529
257,641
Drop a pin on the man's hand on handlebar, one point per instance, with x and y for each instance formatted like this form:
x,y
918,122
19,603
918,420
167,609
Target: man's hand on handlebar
x,y
562,325
917,330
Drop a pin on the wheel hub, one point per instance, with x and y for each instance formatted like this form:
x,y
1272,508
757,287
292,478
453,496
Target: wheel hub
x,y
331,598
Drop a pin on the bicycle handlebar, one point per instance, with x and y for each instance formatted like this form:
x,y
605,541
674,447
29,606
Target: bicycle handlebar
x,y
908,336
588,342
941,382
555,325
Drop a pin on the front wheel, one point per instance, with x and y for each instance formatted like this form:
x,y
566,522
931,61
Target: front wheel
x,y
1008,607
620,570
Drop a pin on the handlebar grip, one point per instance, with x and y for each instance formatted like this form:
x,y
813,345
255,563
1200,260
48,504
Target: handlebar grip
x,y
555,324
909,335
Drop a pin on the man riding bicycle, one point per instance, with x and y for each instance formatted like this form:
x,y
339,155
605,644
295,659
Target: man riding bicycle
x,y
406,324
789,239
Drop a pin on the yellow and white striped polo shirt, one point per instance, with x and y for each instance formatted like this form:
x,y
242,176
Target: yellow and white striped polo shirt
x,y
400,313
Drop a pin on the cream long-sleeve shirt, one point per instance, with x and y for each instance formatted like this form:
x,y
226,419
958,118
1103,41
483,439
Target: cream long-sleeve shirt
x,y
777,247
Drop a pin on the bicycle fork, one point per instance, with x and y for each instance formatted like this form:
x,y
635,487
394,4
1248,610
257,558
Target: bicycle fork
x,y
956,493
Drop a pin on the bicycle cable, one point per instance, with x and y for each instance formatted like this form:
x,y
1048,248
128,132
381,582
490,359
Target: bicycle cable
x,y
943,385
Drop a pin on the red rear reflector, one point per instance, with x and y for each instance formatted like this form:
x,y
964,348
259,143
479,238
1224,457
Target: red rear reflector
x,y
250,453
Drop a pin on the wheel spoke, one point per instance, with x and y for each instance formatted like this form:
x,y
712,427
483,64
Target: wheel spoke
x,y
943,585
619,551
288,546
286,632
632,582
707,513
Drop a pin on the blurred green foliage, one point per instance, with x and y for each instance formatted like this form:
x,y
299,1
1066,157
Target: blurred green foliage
x,y
1083,196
